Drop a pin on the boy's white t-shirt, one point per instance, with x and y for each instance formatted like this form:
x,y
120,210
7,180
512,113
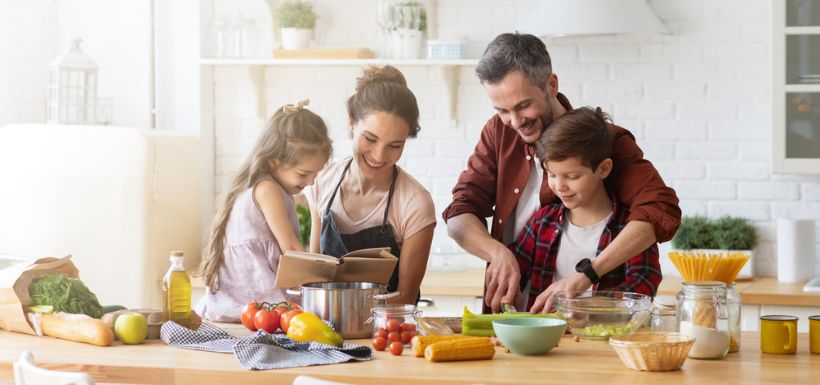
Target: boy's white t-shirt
x,y
527,205
577,243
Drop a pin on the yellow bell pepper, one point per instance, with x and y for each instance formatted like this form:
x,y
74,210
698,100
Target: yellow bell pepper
x,y
305,327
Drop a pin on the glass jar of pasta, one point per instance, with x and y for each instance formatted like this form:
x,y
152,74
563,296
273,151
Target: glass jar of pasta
x,y
702,313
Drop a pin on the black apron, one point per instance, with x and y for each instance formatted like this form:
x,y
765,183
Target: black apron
x,y
334,243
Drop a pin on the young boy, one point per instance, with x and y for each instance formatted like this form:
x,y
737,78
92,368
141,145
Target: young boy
x,y
562,239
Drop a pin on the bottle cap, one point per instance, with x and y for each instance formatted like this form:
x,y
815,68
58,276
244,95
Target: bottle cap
x,y
177,254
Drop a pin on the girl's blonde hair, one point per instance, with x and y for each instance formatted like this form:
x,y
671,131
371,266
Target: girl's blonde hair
x,y
292,134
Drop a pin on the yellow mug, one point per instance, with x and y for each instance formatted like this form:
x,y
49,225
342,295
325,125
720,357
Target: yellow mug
x,y
814,334
778,334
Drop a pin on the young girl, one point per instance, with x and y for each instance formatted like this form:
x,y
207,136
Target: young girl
x,y
366,200
258,221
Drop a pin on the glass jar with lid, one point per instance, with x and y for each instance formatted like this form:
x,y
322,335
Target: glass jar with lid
x,y
395,322
663,316
702,313
733,307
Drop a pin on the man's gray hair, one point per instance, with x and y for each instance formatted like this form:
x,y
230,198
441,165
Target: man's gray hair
x,y
515,52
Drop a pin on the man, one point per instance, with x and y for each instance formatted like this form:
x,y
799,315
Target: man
x,y
503,180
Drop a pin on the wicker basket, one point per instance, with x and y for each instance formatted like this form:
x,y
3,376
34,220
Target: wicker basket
x,y
653,351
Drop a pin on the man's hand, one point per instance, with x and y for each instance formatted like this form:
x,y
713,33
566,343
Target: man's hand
x,y
574,283
503,278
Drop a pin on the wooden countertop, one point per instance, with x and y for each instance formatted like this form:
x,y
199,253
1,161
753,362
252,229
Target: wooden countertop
x,y
585,362
759,291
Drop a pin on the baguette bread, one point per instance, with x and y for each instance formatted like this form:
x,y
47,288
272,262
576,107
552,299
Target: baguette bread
x,y
77,327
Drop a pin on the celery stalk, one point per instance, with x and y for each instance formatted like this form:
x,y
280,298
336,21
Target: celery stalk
x,y
481,325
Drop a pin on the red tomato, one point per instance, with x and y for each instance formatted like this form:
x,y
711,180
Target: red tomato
x,y
393,325
396,348
247,315
407,336
266,320
284,319
407,327
393,336
379,343
381,333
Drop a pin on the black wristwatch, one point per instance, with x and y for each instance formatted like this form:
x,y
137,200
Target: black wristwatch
x,y
585,266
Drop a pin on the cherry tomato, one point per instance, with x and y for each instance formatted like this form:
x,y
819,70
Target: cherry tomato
x,y
379,343
381,333
406,336
396,348
284,319
405,327
393,336
393,325
247,315
266,320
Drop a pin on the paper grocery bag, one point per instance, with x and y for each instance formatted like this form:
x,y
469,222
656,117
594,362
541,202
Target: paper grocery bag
x,y
14,283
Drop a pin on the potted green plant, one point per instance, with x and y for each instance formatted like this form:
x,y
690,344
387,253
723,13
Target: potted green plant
x,y
726,234
407,21
296,20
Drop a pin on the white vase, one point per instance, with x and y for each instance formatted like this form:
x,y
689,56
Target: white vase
x,y
296,38
406,43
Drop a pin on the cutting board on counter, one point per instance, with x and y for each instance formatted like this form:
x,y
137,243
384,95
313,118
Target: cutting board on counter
x,y
324,53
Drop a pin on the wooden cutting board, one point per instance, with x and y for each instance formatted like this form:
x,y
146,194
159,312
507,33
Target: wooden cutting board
x,y
324,53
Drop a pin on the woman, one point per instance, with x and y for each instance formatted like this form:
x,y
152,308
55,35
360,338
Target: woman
x,y
366,200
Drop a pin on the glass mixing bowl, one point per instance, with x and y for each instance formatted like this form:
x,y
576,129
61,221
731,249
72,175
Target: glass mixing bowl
x,y
603,314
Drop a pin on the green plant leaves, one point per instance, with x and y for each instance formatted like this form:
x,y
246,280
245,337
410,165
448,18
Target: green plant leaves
x,y
727,233
303,213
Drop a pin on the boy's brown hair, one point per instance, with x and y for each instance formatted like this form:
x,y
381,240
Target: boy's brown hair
x,y
582,132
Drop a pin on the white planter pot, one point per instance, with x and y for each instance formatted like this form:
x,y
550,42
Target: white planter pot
x,y
296,38
406,43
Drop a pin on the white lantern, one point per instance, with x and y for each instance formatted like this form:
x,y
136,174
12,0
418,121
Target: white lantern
x,y
72,87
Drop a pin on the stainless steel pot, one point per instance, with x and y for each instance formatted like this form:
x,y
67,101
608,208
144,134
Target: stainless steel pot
x,y
346,305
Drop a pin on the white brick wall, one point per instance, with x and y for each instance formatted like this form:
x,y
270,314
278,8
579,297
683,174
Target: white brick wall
x,y
698,101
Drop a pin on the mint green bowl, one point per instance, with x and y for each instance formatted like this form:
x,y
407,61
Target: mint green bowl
x,y
529,336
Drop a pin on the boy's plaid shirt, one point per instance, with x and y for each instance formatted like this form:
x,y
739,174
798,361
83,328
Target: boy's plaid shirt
x,y
536,250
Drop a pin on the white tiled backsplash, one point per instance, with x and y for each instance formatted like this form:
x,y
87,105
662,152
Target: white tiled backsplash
x,y
698,102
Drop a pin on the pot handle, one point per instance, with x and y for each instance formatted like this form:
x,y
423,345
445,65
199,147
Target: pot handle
x,y
386,296
293,292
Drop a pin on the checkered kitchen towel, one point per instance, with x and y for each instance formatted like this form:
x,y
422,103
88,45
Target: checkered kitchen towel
x,y
261,351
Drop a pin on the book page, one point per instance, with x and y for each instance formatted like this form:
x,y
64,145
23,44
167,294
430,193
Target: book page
x,y
312,256
376,252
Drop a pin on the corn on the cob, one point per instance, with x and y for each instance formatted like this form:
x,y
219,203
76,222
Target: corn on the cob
x,y
419,343
460,350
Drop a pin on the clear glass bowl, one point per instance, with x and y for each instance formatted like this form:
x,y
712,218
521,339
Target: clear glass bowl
x,y
599,315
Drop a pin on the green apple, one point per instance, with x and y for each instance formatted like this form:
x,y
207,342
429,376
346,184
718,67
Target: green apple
x,y
131,328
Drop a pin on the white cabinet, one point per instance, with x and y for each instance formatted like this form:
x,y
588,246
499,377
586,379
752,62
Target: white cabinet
x,y
750,320
796,86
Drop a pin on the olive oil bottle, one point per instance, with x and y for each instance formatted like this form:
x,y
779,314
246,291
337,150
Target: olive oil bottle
x,y
176,288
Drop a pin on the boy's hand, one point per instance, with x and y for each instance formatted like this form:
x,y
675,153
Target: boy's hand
x,y
546,300
502,279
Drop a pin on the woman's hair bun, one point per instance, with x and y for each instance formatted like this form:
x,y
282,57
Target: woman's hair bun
x,y
376,74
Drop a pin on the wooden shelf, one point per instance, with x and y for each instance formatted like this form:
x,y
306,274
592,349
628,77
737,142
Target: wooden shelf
x,y
450,70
